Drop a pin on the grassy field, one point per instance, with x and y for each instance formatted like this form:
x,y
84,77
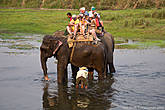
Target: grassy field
x,y
139,25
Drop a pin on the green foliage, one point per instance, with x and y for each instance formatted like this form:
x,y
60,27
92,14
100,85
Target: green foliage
x,y
22,46
136,24
127,46
76,4
141,25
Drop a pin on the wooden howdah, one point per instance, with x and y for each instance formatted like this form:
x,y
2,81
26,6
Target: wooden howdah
x,y
79,38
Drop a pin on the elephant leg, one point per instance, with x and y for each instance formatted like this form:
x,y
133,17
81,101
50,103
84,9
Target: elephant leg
x,y
74,71
112,68
100,72
100,75
90,73
66,75
111,65
105,71
61,72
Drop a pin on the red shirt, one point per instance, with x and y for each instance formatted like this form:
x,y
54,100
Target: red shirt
x,y
70,18
97,22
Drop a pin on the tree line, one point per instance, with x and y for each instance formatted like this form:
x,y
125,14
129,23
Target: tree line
x,y
76,4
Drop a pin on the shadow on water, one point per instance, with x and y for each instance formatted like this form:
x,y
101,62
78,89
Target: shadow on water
x,y
97,97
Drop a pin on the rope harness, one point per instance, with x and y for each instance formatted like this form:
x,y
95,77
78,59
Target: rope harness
x,y
71,56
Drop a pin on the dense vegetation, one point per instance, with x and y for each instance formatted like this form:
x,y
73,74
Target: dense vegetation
x,y
75,4
136,24
139,20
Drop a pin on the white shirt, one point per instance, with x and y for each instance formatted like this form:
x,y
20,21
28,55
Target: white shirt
x,y
90,14
82,73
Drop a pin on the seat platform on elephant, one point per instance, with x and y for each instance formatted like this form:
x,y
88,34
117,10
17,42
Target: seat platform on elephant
x,y
80,38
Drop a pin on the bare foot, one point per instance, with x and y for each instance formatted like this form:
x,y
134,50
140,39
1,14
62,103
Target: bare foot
x,y
46,78
82,86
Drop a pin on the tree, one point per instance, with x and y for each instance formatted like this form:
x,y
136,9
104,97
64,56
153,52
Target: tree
x,y
42,4
23,3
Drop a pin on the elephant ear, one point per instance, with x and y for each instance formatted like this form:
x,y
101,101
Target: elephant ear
x,y
58,45
43,47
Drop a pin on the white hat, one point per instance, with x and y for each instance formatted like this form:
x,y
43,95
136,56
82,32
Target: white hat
x,y
83,68
74,16
83,8
93,8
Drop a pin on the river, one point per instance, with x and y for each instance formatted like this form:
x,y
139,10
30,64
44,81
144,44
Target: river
x,y
138,83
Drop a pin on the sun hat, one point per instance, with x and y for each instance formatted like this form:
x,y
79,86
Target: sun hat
x,y
82,8
93,8
83,68
74,16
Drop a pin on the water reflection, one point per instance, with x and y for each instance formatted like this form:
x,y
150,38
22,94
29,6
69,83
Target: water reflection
x,y
97,97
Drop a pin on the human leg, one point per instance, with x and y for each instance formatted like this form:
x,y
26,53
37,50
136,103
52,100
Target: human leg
x,y
75,30
69,30
94,35
77,82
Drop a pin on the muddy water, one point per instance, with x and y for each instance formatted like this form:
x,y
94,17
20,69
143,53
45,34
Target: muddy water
x,y
137,85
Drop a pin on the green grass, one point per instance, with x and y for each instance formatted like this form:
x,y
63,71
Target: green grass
x,y
76,4
30,21
140,44
22,46
127,46
143,25
136,24
4,36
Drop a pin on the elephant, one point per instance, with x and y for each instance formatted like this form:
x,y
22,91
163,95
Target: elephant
x,y
88,55
109,44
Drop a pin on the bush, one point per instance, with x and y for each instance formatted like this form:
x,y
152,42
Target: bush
x,y
99,4
159,14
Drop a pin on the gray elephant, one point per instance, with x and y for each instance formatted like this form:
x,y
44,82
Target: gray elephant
x,y
88,55
109,44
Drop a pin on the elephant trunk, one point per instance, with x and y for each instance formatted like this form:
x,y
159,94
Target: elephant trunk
x,y
43,60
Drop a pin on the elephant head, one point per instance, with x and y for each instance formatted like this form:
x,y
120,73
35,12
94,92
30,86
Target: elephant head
x,y
49,47
84,54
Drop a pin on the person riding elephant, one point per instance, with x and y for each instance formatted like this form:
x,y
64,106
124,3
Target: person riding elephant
x,y
87,55
92,27
73,26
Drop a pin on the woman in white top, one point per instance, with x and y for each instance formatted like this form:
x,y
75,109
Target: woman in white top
x,y
81,77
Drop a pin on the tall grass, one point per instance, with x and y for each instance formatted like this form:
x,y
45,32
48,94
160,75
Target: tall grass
x,y
129,24
75,4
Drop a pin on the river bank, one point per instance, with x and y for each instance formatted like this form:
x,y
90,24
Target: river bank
x,y
143,25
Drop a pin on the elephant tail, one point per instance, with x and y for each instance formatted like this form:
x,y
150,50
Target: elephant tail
x,y
113,43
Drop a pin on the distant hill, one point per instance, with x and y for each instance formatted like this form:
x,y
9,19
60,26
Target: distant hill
x,y
76,4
